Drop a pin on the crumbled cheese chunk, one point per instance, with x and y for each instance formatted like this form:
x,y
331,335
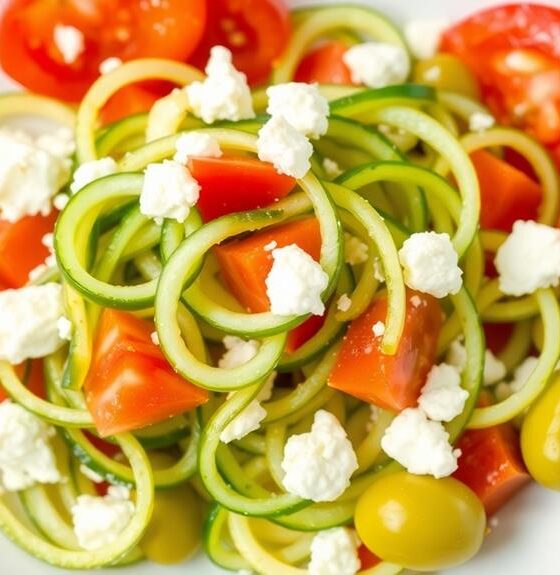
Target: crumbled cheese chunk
x,y
196,144
378,272
523,372
60,201
26,457
64,327
238,351
423,36
376,64
244,423
416,301
98,521
318,465
378,328
91,474
344,303
30,174
154,337
90,171
529,259
224,94
420,445
480,121
442,397
494,369
331,168
430,264
334,552
59,143
169,191
69,41
270,246
284,147
295,283
355,251
301,105
110,65
28,322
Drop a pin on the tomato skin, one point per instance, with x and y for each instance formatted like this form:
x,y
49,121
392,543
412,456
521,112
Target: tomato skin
x,y
236,184
127,101
325,65
389,381
367,558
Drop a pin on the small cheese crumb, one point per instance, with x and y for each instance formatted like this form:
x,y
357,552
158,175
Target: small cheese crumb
x,y
529,259
60,201
238,351
91,474
196,144
355,251
90,171
295,283
64,326
334,552
430,264
416,301
270,246
480,122
442,397
378,329
110,65
378,272
331,168
69,41
520,376
494,369
154,337
344,303
423,37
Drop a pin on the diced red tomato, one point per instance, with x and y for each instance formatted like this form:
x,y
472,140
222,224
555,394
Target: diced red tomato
x,y
31,373
497,335
507,194
236,184
126,29
304,332
391,381
325,65
514,51
367,558
130,383
21,248
130,100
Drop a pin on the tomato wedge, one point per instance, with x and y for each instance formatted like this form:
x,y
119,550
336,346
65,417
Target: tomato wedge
x,y
31,373
256,31
126,29
236,184
130,384
391,381
130,100
325,65
514,51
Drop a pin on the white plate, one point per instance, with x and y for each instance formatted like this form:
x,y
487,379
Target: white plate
x,y
525,539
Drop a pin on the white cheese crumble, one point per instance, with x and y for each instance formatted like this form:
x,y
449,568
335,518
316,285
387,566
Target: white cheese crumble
x,y
69,41
90,171
334,552
110,65
423,36
224,94
91,474
270,246
196,144
26,457
430,264
295,283
378,272
98,521
29,322
416,301
480,121
168,191
301,105
318,465
238,351
64,327
331,168
355,251
344,303
376,64
442,397
520,376
60,201
378,328
494,369
154,337
529,259
284,147
420,445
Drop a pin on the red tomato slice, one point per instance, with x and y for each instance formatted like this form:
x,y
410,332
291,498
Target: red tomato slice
x,y
130,384
256,31
325,65
367,558
231,184
514,51
497,335
130,100
391,381
126,29
304,332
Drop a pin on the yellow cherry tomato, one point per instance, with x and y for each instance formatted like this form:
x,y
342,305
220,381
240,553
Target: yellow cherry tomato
x,y
540,437
420,522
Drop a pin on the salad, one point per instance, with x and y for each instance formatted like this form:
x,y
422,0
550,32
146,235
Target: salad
x,y
278,285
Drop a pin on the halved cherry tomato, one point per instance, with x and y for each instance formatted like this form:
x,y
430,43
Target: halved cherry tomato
x,y
390,381
367,558
130,384
126,29
325,65
21,248
256,31
514,51
236,184
130,100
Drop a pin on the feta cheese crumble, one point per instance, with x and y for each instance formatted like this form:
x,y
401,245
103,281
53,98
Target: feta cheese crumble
x,y
29,322
64,327
169,191
270,246
420,445
284,147
110,65
90,171
331,168
196,144
529,259
480,121
442,397
301,105
91,474
69,41
154,337
344,303
494,369
334,552
378,328
355,251
224,94
98,521
238,351
26,457
430,264
376,64
318,465
295,283
520,377
60,201
423,36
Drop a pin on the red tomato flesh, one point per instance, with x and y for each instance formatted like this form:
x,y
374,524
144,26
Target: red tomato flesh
x,y
390,381
325,65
